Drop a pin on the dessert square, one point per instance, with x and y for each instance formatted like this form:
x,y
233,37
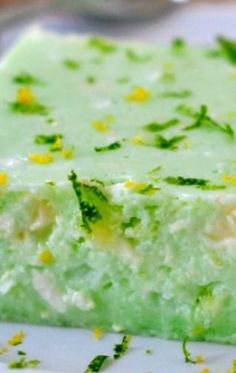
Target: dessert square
x,y
117,186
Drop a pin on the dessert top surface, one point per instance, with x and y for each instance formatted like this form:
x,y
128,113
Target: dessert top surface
x,y
164,115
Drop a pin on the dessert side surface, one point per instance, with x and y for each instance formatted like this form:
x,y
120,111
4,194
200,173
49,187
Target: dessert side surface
x,y
117,186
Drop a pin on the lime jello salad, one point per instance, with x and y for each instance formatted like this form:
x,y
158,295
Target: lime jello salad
x,y
117,197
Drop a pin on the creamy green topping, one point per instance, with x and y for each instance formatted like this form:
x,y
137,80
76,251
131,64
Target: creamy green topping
x,y
133,93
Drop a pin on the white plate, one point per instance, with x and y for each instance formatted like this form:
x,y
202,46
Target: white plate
x,y
70,350
64,350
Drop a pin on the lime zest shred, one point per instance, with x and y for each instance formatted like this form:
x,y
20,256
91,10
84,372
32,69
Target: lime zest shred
x,y
23,362
101,45
228,47
178,45
121,348
202,118
162,142
187,355
26,103
96,363
26,78
71,64
133,56
161,126
87,195
113,146
47,139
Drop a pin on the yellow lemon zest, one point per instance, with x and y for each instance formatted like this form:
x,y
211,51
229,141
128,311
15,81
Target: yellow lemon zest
x,y
109,118
139,94
100,126
199,359
229,178
57,144
45,257
3,350
17,339
186,144
24,96
233,75
129,184
3,178
137,140
136,187
231,114
97,333
68,153
205,370
41,158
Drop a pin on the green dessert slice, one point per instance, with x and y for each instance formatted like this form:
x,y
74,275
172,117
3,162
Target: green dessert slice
x,y
117,187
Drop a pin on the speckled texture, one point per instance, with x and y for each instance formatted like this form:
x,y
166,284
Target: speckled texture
x,y
158,260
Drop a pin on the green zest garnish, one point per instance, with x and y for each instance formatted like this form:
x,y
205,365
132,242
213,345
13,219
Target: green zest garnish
x,y
206,291
71,64
115,145
148,351
185,93
51,183
168,144
213,53
134,57
185,110
149,189
22,362
54,140
186,181
51,120
213,187
90,79
131,223
89,196
47,139
102,45
167,75
96,364
190,181
35,108
123,80
201,118
187,355
155,170
178,45
161,126
228,48
25,78
122,348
